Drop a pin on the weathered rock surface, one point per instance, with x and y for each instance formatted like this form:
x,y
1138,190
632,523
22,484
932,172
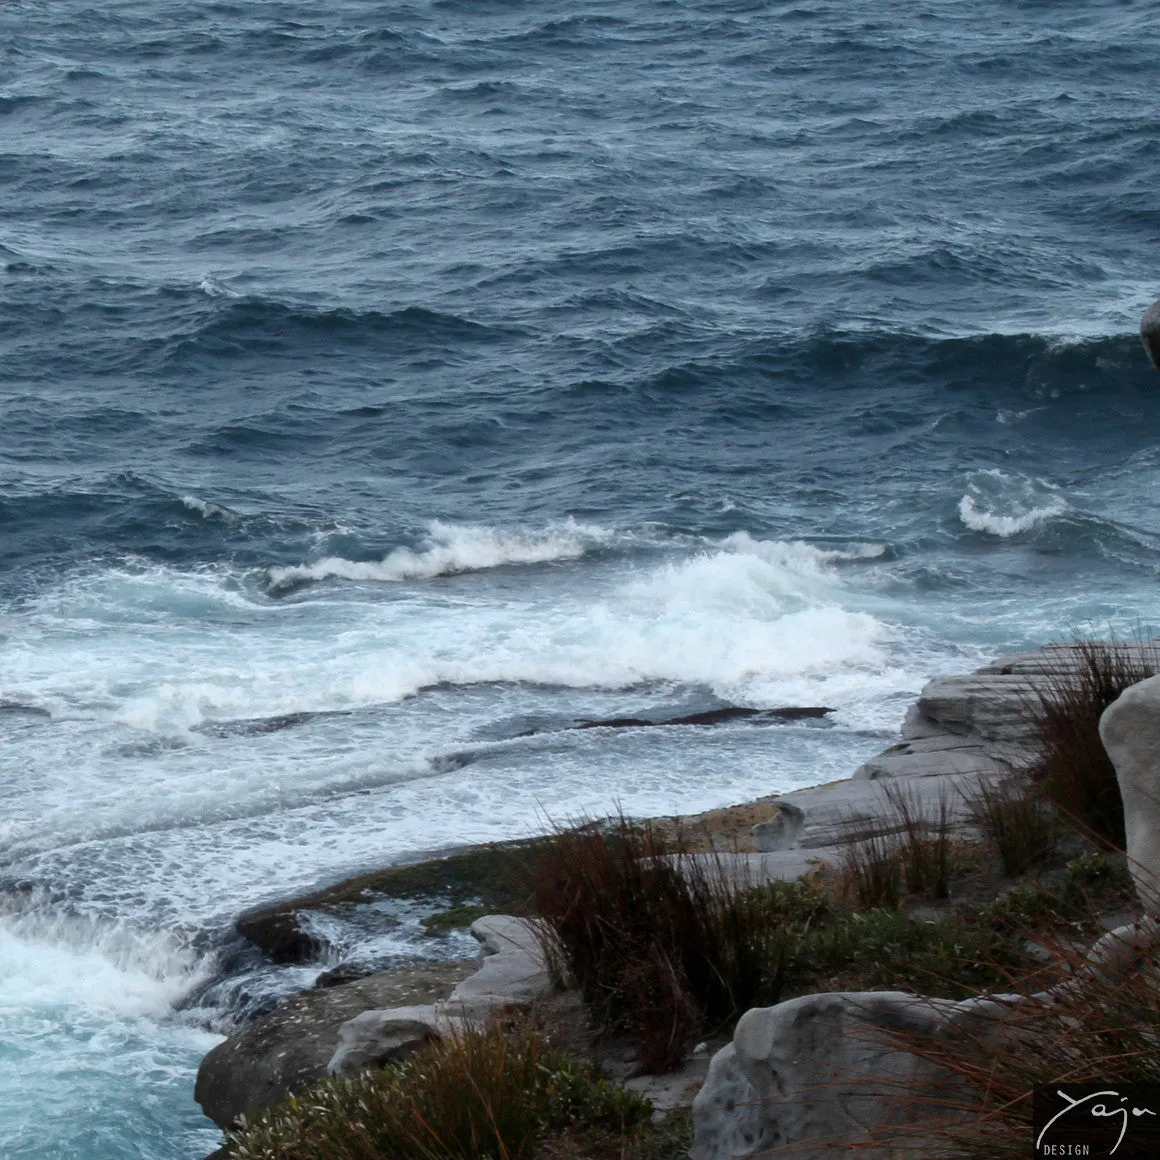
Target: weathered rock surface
x,y
1130,731
780,832
289,1049
820,1074
961,729
511,973
818,1068
376,1037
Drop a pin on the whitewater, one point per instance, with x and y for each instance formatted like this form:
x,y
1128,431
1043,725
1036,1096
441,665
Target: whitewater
x,y
387,388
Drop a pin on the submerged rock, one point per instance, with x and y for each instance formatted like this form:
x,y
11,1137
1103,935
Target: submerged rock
x,y
279,930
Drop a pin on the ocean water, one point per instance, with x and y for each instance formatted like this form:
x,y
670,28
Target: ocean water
x,y
387,386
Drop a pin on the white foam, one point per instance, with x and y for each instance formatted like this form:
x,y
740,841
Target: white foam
x,y
54,959
216,289
203,507
1004,504
455,548
166,651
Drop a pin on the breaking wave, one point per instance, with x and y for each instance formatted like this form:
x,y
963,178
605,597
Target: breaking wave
x,y
453,548
1002,504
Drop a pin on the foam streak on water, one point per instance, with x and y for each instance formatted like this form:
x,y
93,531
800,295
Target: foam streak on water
x,y
386,389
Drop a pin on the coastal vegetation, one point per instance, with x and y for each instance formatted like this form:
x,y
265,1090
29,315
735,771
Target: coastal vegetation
x,y
1072,767
499,1094
666,945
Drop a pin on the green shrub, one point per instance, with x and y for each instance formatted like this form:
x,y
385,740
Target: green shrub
x,y
874,949
1088,886
487,1096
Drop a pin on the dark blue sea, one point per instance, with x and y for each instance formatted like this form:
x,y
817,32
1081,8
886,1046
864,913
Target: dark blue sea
x,y
387,386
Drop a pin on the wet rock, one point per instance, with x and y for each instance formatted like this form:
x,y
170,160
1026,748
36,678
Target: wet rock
x,y
343,973
281,932
289,1049
714,717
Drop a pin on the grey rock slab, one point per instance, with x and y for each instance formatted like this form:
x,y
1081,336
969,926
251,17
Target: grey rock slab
x,y
781,832
376,1037
830,811
990,706
744,871
942,755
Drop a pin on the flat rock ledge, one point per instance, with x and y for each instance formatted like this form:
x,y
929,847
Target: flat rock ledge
x,y
341,1029
961,729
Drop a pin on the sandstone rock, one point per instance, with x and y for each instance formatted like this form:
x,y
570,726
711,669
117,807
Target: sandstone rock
x,y
1150,332
818,1075
376,1037
727,1116
289,1049
512,970
980,722
1130,731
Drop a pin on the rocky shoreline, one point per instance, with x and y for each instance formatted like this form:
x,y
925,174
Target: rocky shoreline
x,y
961,728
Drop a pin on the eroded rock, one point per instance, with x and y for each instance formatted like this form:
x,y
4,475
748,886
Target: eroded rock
x,y
377,1037
512,971
820,1075
289,1049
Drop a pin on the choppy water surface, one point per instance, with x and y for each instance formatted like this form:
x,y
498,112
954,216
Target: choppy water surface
x,y
387,386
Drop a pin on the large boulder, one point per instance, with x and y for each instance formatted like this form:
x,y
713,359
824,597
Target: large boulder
x,y
1130,731
824,1076
289,1049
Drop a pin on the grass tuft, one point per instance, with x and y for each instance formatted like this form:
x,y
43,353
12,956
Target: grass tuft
x,y
661,944
1072,767
1102,1028
872,871
1018,821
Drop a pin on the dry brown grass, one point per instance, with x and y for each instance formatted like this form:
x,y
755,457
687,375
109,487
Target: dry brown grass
x,y
1072,767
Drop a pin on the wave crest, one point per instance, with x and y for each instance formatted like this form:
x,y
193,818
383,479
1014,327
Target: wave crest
x,y
452,549
1002,504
